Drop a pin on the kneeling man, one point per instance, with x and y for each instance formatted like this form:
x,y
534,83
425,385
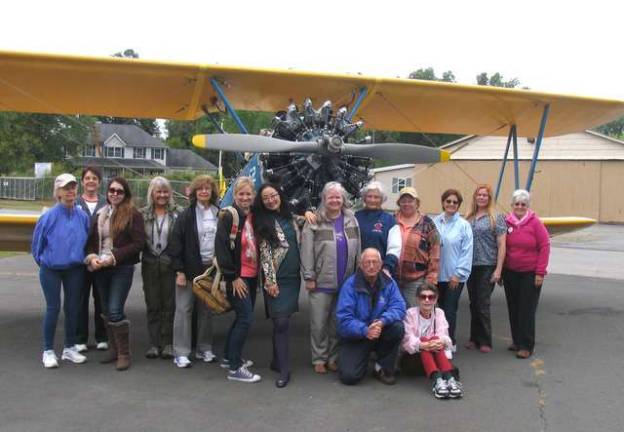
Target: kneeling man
x,y
369,315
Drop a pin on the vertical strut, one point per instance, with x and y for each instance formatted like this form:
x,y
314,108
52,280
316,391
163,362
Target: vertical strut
x,y
358,102
538,144
502,169
231,111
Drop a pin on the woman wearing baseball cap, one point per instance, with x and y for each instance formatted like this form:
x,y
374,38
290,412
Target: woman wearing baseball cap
x,y
58,247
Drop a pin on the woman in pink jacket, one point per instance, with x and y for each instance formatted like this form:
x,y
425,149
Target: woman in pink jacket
x,y
528,249
426,332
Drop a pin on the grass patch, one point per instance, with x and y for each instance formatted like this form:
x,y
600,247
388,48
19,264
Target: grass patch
x,y
25,205
5,254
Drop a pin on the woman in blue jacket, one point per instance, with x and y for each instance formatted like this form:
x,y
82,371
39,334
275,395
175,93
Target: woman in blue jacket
x,y
58,247
374,222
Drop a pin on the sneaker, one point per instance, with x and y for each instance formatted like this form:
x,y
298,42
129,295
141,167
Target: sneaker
x,y
72,355
167,352
455,388
152,352
50,361
206,356
225,363
440,389
81,348
182,362
242,374
102,346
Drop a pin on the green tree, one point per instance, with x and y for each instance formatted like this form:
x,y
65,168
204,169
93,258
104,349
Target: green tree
x,y
428,74
496,80
613,129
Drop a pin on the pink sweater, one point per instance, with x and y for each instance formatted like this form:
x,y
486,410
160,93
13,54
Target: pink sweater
x,y
528,244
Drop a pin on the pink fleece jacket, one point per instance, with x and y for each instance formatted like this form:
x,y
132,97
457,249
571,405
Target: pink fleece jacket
x,y
528,244
411,322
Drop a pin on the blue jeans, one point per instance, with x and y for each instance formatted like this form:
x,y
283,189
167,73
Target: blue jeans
x,y
243,307
448,300
72,280
114,285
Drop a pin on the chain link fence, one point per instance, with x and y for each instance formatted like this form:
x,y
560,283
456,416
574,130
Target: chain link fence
x,y
31,189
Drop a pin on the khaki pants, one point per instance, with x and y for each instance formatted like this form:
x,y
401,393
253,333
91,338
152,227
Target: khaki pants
x,y
324,342
185,300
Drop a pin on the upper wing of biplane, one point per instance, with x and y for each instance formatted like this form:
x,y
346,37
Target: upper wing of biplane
x,y
137,88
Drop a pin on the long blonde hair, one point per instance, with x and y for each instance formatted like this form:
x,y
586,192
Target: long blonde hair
x,y
490,207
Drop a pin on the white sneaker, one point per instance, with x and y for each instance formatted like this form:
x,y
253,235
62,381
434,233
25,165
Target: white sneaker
x,y
50,361
81,348
206,356
182,362
225,363
102,346
72,355
242,374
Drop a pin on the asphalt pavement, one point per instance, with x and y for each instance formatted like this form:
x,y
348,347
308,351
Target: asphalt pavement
x,y
573,383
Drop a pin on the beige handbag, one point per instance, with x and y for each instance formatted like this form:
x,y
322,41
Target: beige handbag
x,y
210,289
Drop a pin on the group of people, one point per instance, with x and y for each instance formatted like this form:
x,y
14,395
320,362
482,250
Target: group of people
x,y
375,281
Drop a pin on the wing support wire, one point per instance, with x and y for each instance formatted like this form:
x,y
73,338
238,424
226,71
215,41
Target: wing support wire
x,y
360,98
230,109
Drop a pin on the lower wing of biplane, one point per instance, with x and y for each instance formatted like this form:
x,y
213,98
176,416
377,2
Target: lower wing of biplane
x,y
71,85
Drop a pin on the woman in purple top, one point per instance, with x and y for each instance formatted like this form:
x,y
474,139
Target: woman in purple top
x,y
330,251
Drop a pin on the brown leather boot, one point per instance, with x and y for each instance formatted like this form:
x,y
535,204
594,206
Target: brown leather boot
x,y
121,330
112,345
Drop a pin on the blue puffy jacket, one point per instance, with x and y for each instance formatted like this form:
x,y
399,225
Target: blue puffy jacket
x,y
354,311
60,238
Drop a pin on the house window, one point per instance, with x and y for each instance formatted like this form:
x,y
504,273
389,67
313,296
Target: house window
x,y
88,151
114,152
158,153
399,183
139,152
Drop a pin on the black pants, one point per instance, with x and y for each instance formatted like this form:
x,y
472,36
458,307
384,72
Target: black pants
x,y
82,329
479,292
522,298
448,300
354,353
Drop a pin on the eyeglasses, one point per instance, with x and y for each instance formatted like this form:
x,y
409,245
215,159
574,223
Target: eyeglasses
x,y
453,202
267,198
114,191
428,297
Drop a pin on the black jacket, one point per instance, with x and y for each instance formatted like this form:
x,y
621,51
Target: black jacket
x,y
184,246
229,260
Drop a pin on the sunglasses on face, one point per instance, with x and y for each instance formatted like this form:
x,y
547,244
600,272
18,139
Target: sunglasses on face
x,y
427,297
114,191
453,202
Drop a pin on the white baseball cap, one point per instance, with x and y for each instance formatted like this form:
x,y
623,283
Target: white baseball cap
x,y
63,180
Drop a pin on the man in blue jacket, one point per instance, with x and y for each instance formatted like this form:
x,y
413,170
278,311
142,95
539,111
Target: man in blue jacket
x,y
369,315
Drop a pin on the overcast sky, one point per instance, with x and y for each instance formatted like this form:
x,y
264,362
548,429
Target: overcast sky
x,y
549,46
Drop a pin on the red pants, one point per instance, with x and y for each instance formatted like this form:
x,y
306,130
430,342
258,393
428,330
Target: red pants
x,y
434,361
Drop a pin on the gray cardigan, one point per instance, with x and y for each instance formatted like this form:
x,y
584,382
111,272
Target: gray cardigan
x,y
318,251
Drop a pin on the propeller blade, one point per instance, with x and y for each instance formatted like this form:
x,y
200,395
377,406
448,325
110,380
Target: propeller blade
x,y
398,153
253,144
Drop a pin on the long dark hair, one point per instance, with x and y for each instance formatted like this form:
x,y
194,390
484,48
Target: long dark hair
x,y
122,216
264,219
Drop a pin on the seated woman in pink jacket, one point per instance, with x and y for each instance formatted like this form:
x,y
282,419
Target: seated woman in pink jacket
x,y
426,332
526,259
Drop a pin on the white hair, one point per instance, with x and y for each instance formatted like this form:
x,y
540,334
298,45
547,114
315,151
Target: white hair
x,y
159,182
374,186
321,212
520,195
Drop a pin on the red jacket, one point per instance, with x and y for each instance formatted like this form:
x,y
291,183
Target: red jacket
x,y
528,244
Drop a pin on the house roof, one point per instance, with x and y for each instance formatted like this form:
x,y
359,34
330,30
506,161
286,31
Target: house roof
x,y
585,145
116,163
132,135
188,159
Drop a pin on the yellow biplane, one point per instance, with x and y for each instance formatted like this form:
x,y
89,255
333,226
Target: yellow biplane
x,y
60,84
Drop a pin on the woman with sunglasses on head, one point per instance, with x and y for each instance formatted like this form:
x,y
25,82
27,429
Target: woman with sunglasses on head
x,y
426,332
279,237
58,249
115,244
455,255
159,217
192,250
489,234
526,260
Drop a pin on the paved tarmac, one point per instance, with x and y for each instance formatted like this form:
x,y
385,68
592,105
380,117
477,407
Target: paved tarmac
x,y
573,383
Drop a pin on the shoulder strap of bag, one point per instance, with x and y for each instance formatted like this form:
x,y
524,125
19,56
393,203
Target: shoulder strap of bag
x,y
235,223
